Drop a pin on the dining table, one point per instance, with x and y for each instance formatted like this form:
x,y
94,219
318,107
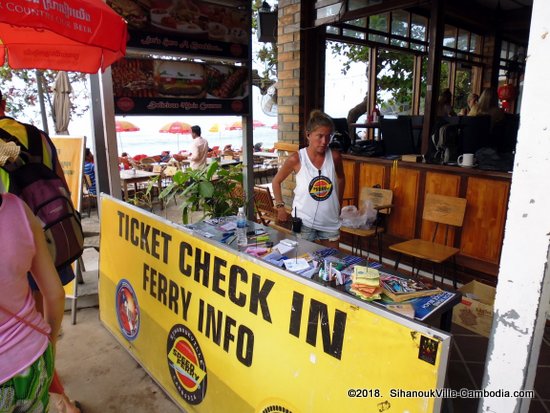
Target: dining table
x,y
135,177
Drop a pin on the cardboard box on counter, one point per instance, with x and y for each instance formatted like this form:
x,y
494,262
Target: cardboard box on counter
x,y
411,158
475,311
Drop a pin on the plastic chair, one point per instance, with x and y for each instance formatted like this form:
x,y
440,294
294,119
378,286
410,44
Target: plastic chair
x,y
446,212
381,200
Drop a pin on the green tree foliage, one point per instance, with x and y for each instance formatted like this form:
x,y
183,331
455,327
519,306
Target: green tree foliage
x,y
21,90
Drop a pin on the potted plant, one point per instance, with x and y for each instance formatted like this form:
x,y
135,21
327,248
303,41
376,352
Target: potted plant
x,y
211,190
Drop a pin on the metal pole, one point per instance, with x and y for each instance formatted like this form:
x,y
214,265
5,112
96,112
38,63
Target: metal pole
x,y
39,82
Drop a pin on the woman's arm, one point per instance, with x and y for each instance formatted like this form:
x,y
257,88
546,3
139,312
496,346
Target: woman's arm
x,y
292,164
47,279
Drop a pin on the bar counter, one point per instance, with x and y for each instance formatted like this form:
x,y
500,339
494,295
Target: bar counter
x,y
480,238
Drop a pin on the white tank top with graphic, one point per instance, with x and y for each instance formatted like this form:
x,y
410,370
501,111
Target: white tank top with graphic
x,y
316,194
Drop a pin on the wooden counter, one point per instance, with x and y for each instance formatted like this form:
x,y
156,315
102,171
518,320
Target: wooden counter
x,y
487,192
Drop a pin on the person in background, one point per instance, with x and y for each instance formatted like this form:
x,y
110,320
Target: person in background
x,y
89,169
320,183
27,340
472,100
125,161
165,156
199,148
445,104
65,274
488,105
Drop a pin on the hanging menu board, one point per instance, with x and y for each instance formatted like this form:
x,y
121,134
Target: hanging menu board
x,y
216,28
161,87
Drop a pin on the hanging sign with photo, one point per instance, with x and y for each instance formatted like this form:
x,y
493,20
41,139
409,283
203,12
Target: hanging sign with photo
x,y
199,28
161,87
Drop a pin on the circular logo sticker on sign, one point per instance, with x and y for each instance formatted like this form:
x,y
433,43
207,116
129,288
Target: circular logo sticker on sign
x,y
186,364
320,188
127,310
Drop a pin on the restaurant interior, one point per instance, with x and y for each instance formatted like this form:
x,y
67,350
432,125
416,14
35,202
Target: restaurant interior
x,y
478,45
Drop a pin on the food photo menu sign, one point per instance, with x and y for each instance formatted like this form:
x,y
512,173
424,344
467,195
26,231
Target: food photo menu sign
x,y
215,28
168,87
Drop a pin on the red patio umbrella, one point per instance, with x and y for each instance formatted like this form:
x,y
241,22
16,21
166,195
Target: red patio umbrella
x,y
177,128
124,126
238,125
275,126
82,36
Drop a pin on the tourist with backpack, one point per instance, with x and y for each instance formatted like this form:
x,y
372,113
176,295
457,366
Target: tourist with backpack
x,y
37,178
27,339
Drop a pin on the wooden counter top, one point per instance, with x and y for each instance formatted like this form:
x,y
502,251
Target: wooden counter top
x,y
432,167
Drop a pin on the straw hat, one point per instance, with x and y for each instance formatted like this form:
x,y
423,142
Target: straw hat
x,y
9,152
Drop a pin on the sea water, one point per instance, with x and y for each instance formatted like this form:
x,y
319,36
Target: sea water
x,y
153,143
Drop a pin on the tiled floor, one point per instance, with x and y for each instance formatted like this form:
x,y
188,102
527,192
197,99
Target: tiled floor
x,y
467,365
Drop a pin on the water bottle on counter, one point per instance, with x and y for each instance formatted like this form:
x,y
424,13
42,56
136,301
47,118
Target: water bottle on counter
x,y
241,229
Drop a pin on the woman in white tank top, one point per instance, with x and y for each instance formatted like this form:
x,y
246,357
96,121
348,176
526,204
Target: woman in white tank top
x,y
319,183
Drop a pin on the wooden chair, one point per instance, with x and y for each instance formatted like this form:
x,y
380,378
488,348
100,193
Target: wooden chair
x,y
88,199
265,209
381,200
147,163
445,212
263,201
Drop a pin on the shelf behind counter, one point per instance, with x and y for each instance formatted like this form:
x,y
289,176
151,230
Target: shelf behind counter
x,y
480,239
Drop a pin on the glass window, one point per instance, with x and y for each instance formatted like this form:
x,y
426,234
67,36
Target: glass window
x,y
329,11
394,82
400,27
379,22
504,50
419,26
444,78
463,36
463,86
423,84
449,37
353,33
358,22
359,4
400,23
346,82
475,43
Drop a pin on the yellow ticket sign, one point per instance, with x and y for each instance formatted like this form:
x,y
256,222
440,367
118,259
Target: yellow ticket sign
x,y
70,151
224,332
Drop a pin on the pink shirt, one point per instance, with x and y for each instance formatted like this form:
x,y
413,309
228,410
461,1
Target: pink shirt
x,y
20,345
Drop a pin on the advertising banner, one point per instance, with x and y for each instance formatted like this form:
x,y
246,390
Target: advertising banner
x,y
224,332
162,87
70,152
198,28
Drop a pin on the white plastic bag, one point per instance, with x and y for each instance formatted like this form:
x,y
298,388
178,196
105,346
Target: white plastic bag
x,y
367,210
356,218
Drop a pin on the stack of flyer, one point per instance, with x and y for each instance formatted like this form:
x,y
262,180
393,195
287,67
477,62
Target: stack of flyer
x,y
365,283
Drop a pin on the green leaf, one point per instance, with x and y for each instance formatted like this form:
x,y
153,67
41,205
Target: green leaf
x,y
179,178
206,189
212,169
